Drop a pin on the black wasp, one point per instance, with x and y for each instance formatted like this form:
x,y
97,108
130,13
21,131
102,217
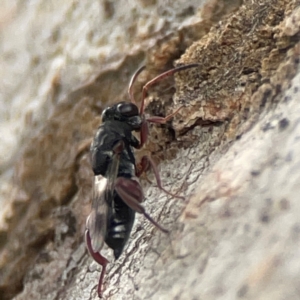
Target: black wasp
x,y
117,193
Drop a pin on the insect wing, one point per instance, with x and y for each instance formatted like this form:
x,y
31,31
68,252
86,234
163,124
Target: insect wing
x,y
112,173
103,192
96,222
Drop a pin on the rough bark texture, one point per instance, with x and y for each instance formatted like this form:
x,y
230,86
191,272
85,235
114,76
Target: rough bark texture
x,y
232,150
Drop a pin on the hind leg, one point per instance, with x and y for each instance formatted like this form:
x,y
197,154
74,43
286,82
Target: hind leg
x,y
131,193
101,260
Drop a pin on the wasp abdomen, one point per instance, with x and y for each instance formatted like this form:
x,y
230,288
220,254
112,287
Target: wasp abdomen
x,y
120,222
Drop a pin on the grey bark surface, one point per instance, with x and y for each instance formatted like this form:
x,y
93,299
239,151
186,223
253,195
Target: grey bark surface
x,y
232,150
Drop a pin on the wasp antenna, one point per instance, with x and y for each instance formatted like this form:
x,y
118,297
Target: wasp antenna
x,y
160,77
132,81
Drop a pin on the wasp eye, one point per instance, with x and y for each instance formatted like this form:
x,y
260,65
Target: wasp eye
x,y
128,109
105,114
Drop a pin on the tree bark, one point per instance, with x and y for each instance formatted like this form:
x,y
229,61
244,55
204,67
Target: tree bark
x,y
232,150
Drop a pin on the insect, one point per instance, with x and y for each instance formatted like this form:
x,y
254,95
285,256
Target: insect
x,y
117,193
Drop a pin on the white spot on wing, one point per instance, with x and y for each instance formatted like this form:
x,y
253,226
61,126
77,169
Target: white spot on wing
x,y
100,184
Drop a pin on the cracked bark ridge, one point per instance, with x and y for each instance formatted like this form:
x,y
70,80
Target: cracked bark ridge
x,y
234,156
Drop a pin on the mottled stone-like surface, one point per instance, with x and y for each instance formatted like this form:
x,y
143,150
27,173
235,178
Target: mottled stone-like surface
x,y
232,150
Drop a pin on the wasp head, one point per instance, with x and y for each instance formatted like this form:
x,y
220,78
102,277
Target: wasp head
x,y
125,112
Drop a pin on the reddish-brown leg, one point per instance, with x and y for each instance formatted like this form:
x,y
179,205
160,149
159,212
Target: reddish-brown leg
x,y
163,120
145,163
101,260
154,119
144,134
131,193
144,166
